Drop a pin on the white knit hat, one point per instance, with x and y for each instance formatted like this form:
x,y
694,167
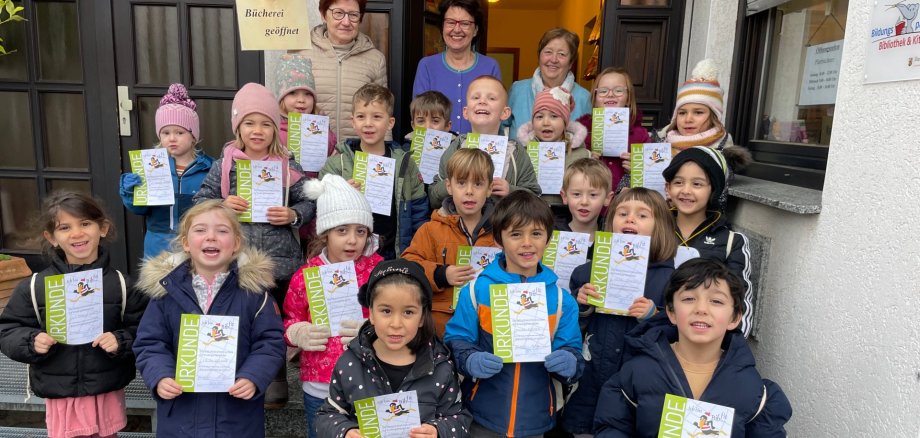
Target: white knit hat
x,y
338,203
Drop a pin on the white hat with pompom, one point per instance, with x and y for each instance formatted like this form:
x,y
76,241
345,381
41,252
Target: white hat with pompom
x,y
338,203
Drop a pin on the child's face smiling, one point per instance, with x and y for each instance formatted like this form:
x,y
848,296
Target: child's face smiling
x,y
548,126
523,247
486,106
584,200
257,132
633,217
211,243
177,140
396,314
614,83
469,196
297,101
346,242
689,190
372,121
78,238
693,118
703,314
438,122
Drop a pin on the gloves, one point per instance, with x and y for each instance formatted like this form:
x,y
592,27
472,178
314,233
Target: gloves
x,y
561,362
349,329
308,336
482,365
128,181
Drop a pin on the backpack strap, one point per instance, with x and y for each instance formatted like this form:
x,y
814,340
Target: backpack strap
x,y
763,401
728,245
472,284
35,301
124,294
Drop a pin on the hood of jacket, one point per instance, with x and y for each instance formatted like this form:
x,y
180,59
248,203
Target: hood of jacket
x,y
656,335
575,134
253,268
426,359
319,39
497,274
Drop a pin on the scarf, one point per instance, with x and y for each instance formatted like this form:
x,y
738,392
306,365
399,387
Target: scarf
x,y
711,137
537,83
232,153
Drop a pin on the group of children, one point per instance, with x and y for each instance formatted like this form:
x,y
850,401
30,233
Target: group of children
x,y
683,336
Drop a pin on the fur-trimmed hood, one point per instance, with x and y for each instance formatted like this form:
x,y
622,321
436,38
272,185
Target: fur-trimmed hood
x,y
253,268
575,134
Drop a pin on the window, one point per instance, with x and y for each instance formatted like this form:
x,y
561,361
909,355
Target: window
x,y
785,87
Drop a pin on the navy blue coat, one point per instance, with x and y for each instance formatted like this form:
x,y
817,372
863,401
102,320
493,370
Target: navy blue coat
x,y
605,344
631,401
260,345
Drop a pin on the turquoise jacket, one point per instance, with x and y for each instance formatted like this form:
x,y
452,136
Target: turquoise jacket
x,y
521,98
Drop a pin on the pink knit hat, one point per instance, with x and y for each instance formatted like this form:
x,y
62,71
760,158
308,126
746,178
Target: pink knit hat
x,y
176,108
702,88
557,100
254,98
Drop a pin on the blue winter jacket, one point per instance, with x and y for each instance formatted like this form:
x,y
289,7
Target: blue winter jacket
x,y
492,401
163,220
605,344
260,346
631,401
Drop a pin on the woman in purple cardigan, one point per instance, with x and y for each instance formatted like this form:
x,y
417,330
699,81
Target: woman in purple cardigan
x,y
452,70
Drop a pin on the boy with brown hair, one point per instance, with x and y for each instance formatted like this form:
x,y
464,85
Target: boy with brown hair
x,y
586,192
462,220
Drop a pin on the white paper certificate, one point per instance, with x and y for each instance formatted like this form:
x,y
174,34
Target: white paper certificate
x,y
618,270
260,183
647,163
566,251
520,322
206,357
688,418
73,306
476,256
388,416
156,179
610,128
685,253
377,176
428,145
494,145
332,291
308,140
548,159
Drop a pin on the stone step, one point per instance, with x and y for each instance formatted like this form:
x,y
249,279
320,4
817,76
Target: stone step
x,y
23,432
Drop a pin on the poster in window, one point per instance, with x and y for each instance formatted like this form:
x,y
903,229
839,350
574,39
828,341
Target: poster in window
x,y
893,52
819,77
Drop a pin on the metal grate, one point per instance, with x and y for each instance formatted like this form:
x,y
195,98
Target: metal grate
x,y
20,432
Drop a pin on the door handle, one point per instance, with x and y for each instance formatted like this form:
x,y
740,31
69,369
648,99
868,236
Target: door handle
x,y
125,106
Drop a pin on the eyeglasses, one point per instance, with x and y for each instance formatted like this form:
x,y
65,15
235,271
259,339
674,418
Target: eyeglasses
x,y
464,24
559,54
616,91
339,14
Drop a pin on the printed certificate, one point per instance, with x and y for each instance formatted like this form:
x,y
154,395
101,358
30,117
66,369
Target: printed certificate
x,y
566,251
206,357
548,159
73,306
156,179
332,291
428,145
308,140
685,253
618,270
647,163
388,416
260,183
688,418
520,322
377,176
476,256
494,145
610,131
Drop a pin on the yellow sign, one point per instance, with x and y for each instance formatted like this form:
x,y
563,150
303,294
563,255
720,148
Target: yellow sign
x,y
273,24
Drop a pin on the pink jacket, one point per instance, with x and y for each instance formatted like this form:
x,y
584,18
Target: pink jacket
x,y
316,366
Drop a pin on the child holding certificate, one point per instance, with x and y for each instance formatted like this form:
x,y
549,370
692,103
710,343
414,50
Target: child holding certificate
x,y
462,220
508,398
345,233
695,181
586,192
74,323
273,202
217,388
396,351
382,170
613,88
550,124
695,356
178,130
636,211
486,108
297,94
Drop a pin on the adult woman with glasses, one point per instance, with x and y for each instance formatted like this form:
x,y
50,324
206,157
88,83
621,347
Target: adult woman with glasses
x,y
557,52
452,70
344,60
